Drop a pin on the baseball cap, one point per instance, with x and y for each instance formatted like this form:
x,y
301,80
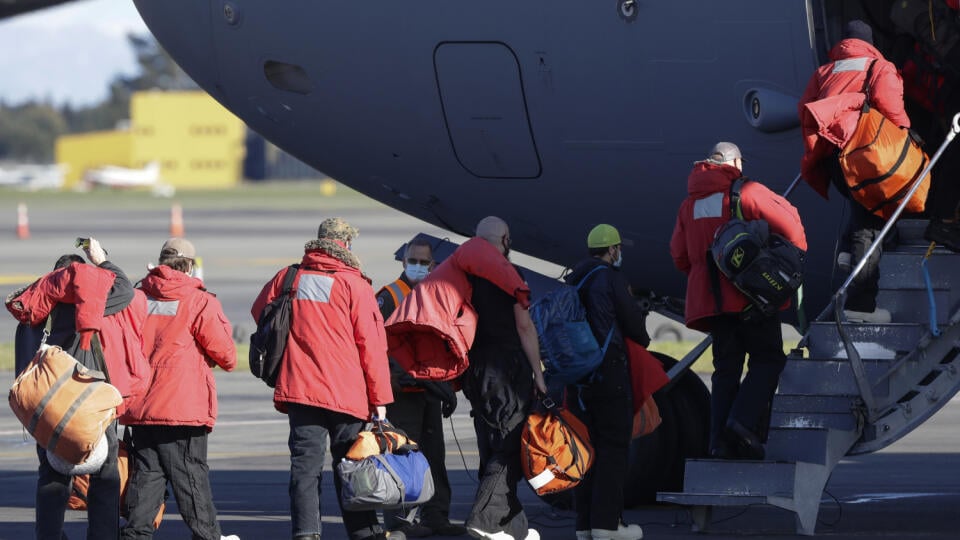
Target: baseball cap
x,y
603,235
178,247
723,152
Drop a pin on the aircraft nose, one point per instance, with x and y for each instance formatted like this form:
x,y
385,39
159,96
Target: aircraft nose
x,y
184,29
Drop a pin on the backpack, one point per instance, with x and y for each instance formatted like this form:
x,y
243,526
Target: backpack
x,y
764,266
567,345
269,341
555,450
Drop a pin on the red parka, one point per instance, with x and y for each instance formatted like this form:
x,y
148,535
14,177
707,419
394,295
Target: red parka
x,y
705,209
431,331
830,106
185,331
336,356
121,334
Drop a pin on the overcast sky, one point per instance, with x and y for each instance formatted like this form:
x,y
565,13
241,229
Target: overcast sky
x,y
67,53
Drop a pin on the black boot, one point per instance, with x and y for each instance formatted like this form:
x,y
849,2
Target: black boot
x,y
945,233
747,443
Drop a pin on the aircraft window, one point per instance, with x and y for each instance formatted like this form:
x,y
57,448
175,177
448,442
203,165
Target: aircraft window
x,y
289,77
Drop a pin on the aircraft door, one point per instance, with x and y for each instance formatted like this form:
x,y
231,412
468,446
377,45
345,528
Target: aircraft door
x,y
483,102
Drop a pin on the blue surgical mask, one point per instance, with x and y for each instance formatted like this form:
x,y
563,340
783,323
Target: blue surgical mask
x,y
416,272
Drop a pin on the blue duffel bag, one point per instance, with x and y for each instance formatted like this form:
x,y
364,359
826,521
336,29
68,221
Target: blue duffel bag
x,y
396,480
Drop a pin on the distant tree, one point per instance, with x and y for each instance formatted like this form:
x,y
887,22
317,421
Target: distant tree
x,y
28,131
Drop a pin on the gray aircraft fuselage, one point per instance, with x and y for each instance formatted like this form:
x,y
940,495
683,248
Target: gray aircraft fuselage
x,y
555,116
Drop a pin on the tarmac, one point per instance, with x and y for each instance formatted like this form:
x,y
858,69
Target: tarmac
x,y
910,490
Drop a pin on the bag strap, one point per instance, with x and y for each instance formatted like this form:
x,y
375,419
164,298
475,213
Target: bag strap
x,y
736,208
584,278
289,278
866,86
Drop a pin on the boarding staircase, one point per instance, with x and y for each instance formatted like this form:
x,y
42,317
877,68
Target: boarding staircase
x,y
858,387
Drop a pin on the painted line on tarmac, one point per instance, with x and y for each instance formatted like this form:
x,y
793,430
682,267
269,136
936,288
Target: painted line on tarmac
x,y
17,279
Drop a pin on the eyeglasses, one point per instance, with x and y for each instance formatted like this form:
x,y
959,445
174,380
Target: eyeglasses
x,y
424,262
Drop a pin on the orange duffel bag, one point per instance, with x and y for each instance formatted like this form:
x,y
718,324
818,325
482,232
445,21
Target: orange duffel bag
x,y
555,449
65,406
881,161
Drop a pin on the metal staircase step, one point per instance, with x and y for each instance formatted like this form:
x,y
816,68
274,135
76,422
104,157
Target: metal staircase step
x,y
801,403
798,444
875,341
739,477
914,304
910,231
829,378
900,270
800,420
709,499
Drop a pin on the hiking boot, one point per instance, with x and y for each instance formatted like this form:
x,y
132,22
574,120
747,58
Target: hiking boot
x,y
444,528
747,443
845,261
877,316
945,233
623,532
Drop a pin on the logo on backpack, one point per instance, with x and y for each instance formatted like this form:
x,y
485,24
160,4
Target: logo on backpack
x,y
269,342
567,345
764,266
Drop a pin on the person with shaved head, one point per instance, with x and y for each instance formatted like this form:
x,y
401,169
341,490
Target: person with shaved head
x,y
468,318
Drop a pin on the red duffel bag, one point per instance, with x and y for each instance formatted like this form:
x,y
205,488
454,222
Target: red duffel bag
x,y
65,406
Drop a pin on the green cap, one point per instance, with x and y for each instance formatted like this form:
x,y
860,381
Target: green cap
x,y
603,235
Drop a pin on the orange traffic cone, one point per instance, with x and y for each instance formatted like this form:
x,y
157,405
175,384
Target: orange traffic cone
x,y
176,220
23,223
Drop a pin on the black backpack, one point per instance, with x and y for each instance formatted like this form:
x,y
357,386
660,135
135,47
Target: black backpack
x,y
764,266
269,342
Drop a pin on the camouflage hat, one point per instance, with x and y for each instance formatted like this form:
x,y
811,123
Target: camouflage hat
x,y
337,229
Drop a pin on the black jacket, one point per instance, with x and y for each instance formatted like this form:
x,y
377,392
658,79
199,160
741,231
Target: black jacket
x,y
609,303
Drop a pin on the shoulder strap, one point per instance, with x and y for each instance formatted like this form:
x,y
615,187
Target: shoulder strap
x,y
866,83
289,278
584,278
736,209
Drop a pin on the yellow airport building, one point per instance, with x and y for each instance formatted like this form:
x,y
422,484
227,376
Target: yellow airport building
x,y
196,142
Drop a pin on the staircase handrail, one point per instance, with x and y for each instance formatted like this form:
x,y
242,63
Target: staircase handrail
x,y
839,298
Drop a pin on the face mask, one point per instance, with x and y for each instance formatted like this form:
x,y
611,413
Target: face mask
x,y
416,272
619,261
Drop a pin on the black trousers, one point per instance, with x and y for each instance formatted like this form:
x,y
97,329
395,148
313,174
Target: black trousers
x,y
419,415
309,428
747,402
175,454
605,406
497,506
860,230
103,497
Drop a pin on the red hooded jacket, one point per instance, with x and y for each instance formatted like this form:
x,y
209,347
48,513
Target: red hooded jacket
x,y
185,331
705,209
336,356
432,330
87,286
830,106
